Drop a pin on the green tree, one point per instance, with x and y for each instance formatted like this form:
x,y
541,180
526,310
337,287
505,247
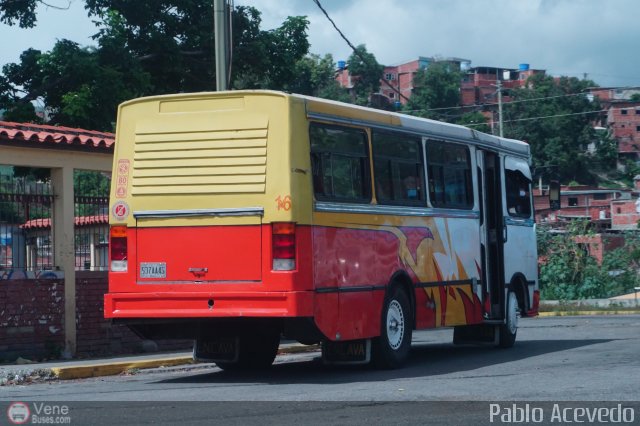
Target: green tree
x,y
366,72
568,272
91,189
174,42
315,76
22,12
81,87
556,119
436,88
606,154
474,120
147,47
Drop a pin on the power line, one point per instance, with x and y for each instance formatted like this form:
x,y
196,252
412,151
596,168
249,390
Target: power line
x,y
363,59
521,100
547,116
503,102
355,50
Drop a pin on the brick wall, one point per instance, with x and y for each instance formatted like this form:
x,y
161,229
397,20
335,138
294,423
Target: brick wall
x,y
598,244
624,214
32,320
96,335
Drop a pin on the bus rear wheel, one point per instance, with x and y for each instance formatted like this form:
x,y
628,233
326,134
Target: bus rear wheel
x,y
255,351
391,348
507,331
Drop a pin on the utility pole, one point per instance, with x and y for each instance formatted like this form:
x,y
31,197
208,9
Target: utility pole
x,y
221,43
499,85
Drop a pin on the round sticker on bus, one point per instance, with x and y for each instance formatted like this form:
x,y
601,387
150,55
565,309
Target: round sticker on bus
x,y
120,210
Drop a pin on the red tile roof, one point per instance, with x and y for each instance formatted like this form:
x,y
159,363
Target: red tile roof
x,y
45,223
56,136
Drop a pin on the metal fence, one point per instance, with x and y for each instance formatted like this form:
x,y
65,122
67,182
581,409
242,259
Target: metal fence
x,y
91,220
26,214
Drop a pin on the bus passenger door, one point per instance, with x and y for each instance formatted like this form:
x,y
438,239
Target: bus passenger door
x,y
520,250
492,229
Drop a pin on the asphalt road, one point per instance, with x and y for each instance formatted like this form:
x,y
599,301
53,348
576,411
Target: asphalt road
x,y
555,359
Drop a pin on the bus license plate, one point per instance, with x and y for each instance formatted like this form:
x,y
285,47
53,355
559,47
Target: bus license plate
x,y
153,270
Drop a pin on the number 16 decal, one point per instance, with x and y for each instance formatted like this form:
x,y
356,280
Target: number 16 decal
x,y
284,203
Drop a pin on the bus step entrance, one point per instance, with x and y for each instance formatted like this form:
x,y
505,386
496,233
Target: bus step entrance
x,y
347,352
475,334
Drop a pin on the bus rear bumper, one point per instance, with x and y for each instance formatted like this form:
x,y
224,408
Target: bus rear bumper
x,y
209,305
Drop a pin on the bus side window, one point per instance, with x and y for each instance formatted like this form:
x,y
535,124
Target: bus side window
x,y
340,163
316,172
449,170
398,168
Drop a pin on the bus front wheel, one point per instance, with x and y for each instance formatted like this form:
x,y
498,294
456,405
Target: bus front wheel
x,y
391,348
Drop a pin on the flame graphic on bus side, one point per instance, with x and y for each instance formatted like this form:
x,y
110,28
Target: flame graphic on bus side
x,y
431,258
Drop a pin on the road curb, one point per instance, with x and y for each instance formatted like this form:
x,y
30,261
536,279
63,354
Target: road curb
x,y
582,313
114,368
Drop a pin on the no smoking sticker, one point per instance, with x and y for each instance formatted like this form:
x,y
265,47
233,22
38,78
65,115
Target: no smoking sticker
x,y
120,210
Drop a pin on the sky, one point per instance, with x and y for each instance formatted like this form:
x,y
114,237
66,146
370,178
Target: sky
x,y
564,37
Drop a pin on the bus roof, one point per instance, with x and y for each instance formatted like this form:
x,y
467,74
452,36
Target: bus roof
x,y
355,114
424,126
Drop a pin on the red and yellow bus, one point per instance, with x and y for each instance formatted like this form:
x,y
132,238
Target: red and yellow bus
x,y
240,217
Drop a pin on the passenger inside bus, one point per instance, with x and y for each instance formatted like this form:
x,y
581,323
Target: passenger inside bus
x,y
411,188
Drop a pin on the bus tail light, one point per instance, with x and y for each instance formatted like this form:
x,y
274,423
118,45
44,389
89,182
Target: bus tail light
x,y
118,247
283,246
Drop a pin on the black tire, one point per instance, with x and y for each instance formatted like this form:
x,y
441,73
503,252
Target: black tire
x,y
255,352
391,348
507,332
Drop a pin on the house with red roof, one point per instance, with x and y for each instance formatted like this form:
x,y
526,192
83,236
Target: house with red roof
x,y
51,303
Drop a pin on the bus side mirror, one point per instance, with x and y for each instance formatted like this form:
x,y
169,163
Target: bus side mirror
x,y
554,195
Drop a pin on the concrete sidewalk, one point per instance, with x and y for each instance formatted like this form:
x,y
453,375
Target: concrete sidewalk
x,y
79,369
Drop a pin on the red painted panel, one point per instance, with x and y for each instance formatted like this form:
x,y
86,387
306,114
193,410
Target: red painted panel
x,y
326,313
345,257
198,304
277,294
228,253
360,314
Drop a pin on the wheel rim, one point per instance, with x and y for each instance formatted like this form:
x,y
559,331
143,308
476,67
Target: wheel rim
x,y
512,314
395,324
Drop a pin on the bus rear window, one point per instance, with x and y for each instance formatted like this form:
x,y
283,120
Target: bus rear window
x,y
340,163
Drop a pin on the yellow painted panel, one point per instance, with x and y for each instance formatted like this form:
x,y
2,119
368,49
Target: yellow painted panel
x,y
198,189
199,162
148,123
197,221
204,144
201,122
198,180
204,153
347,111
199,171
196,136
199,105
